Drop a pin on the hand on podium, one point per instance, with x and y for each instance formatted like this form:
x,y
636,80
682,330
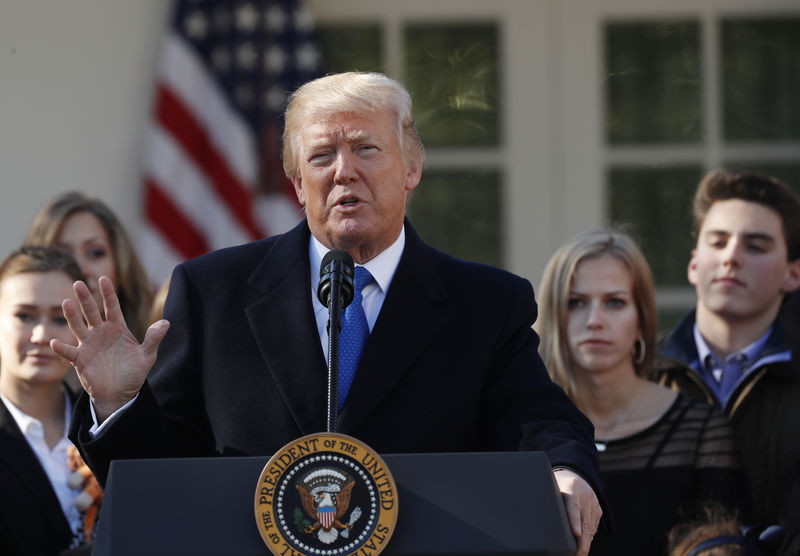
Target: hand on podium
x,y
110,362
583,508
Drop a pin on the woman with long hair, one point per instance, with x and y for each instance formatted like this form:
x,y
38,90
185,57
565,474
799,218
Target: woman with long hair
x,y
90,231
661,453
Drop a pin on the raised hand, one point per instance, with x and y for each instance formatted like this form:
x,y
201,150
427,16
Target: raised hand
x,y
111,364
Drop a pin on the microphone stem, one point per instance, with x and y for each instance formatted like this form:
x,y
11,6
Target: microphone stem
x,y
334,328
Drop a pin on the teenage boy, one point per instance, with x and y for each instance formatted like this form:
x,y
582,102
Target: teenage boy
x,y
739,346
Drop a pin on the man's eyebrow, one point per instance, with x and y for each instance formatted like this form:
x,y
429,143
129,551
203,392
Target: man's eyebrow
x,y
318,143
749,236
759,236
358,135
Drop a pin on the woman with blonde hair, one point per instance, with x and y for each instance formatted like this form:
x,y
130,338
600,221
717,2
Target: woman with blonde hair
x,y
90,231
661,454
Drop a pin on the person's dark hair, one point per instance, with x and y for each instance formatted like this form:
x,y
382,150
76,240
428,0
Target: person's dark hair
x,y
722,185
133,288
39,259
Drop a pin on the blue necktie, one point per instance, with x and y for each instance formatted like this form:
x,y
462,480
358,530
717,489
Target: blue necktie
x,y
355,332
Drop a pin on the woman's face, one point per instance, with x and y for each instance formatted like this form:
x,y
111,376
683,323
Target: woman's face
x,y
602,321
30,316
84,237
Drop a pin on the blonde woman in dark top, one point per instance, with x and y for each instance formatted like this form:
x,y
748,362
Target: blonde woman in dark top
x,y
661,454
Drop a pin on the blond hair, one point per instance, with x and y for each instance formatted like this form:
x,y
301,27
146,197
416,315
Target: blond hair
x,y
351,92
555,291
133,287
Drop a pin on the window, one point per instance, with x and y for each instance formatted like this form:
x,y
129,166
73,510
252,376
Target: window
x,y
668,120
452,72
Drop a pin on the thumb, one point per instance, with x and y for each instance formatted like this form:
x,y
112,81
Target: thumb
x,y
152,338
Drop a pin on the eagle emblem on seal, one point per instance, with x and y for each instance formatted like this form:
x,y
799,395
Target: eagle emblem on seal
x,y
325,496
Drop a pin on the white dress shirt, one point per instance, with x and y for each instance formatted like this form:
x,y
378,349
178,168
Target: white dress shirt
x,y
54,462
382,269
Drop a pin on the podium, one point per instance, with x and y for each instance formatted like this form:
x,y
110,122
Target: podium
x,y
488,503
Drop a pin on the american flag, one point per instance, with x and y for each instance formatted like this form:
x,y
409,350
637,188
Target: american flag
x,y
212,170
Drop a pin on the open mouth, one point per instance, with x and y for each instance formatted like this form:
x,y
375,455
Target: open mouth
x,y
349,202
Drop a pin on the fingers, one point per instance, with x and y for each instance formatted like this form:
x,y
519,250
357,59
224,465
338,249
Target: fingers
x,y
584,526
586,537
152,338
87,304
584,542
74,319
574,516
68,352
110,300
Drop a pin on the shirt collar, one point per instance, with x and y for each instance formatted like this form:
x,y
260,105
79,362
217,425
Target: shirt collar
x,y
750,353
381,267
28,424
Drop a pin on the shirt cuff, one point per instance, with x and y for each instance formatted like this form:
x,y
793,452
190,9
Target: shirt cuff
x,y
98,428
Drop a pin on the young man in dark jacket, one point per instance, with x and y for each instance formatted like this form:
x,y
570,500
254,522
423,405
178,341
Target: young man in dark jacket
x,y
739,347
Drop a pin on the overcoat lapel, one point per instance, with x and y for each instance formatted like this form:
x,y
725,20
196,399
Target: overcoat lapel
x,y
23,463
285,329
414,300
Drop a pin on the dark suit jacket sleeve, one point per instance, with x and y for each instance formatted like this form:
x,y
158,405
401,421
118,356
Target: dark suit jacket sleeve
x,y
520,390
142,430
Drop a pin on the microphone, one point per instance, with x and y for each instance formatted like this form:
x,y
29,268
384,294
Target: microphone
x,y
336,275
335,291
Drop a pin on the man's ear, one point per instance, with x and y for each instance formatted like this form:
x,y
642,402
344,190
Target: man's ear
x,y
297,182
691,269
792,281
413,171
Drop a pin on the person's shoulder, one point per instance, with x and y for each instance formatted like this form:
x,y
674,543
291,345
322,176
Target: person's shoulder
x,y
245,258
251,252
458,270
708,419
678,376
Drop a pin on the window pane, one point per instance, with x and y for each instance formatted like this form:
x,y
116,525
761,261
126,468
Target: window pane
x,y
654,205
452,73
458,212
761,78
351,47
652,82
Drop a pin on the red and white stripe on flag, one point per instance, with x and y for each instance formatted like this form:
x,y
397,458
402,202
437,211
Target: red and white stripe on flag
x,y
202,153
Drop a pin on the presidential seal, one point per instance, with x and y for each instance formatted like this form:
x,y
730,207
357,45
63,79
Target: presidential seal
x,y
326,494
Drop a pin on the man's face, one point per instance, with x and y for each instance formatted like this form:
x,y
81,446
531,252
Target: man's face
x,y
739,266
353,181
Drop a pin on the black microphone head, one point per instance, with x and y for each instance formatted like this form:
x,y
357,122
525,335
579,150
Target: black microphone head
x,y
336,264
339,255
